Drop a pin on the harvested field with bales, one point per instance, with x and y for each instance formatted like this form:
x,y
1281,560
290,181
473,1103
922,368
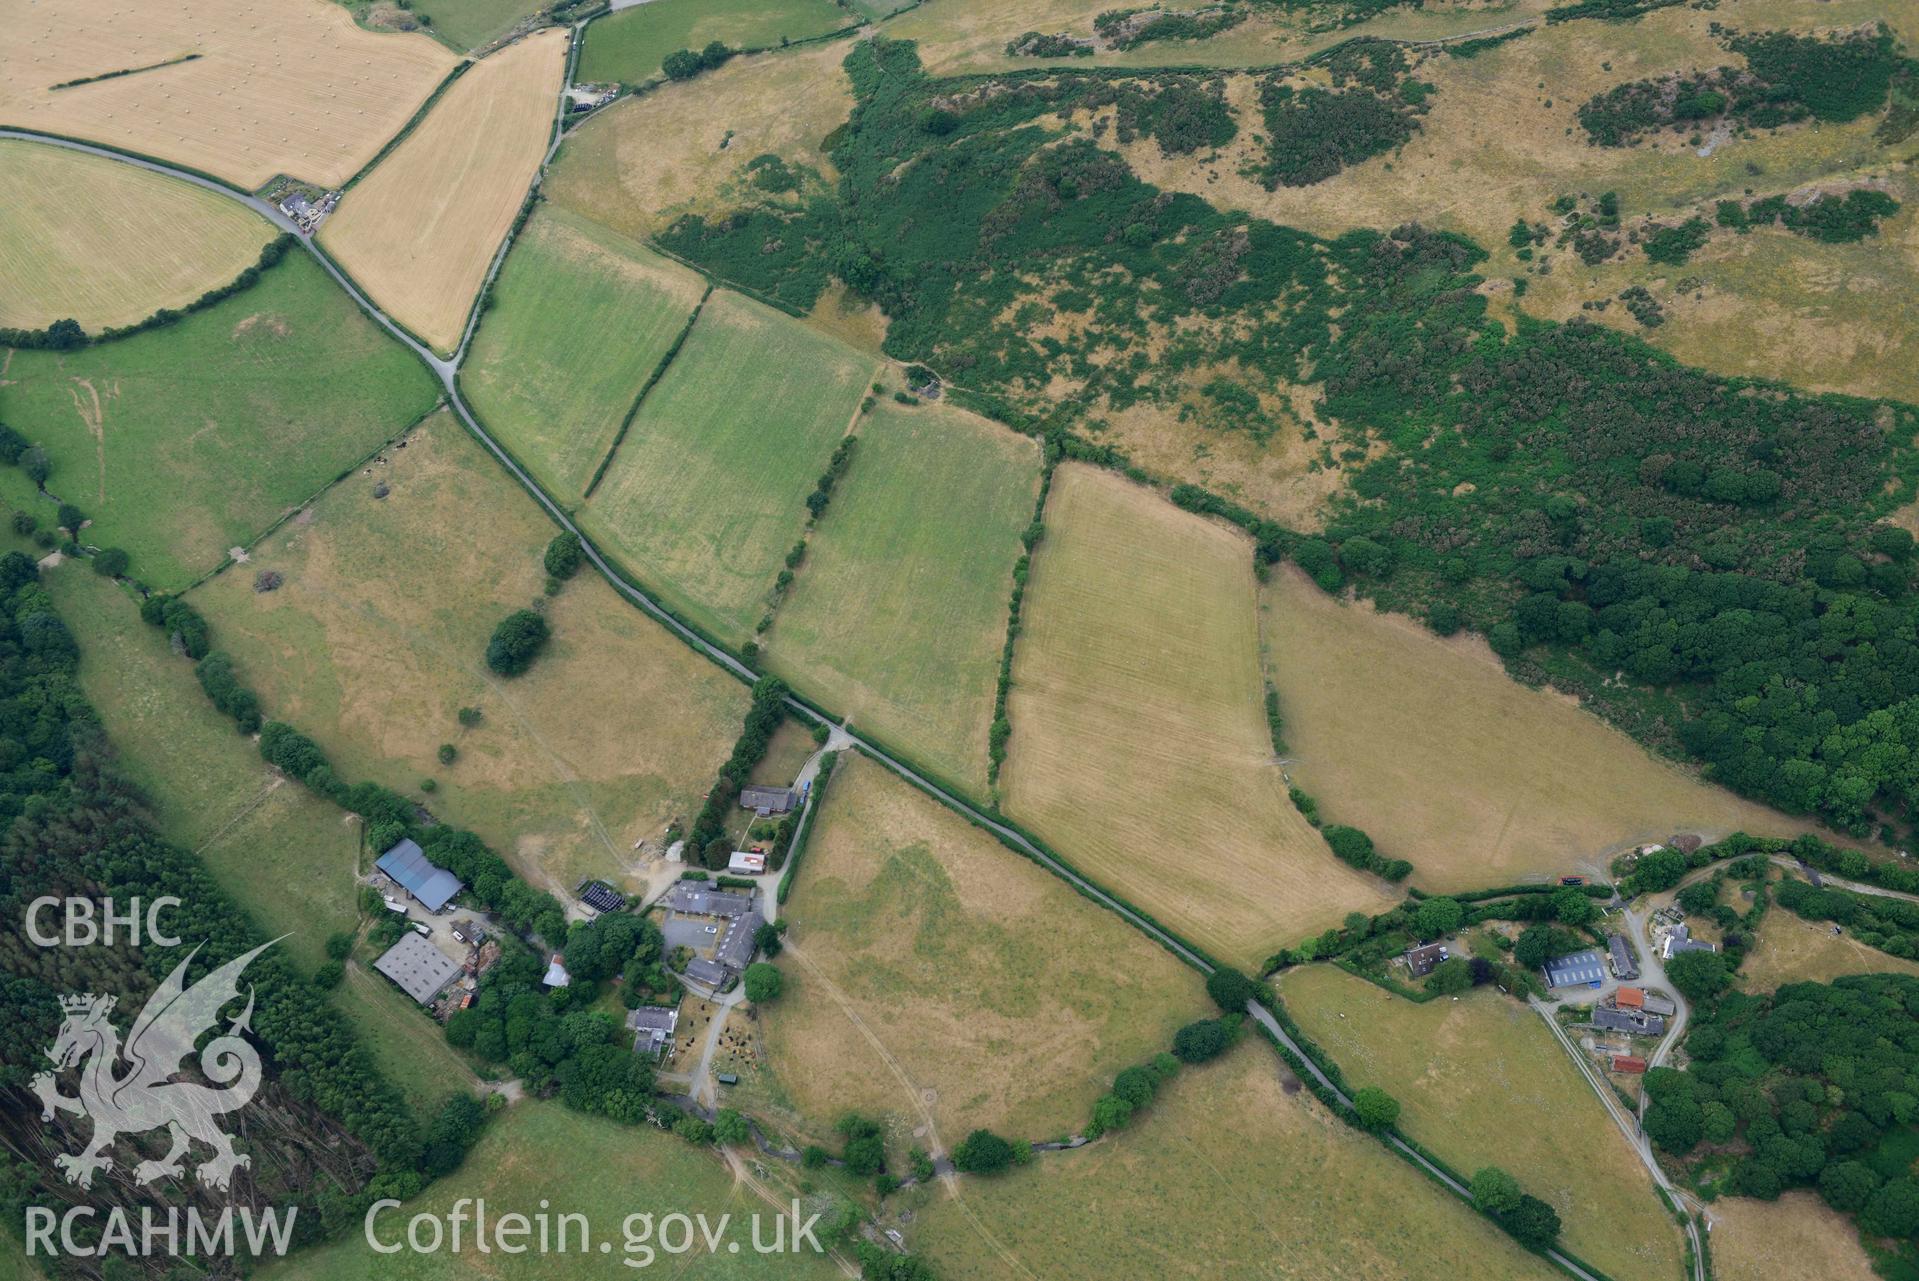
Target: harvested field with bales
x,y
1140,750
182,442
1234,1170
707,492
1796,1236
276,86
1481,1081
645,160
420,232
1445,760
986,991
581,317
536,1152
630,45
108,244
393,582
898,614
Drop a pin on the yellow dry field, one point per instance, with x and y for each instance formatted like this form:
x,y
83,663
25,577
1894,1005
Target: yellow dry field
x,y
1502,141
1234,1171
935,977
280,86
1139,748
1481,1081
1773,304
421,230
1503,136
962,36
376,640
108,244
642,162
1795,1237
1788,949
1445,760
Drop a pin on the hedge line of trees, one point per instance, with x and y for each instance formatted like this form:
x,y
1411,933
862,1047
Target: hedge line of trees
x,y
388,815
78,828
768,710
1030,539
67,335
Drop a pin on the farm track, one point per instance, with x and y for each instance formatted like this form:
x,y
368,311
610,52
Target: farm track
x,y
447,369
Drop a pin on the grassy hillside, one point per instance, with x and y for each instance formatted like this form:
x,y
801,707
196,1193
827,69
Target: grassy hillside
x,y
539,1156
581,317
897,615
1234,1171
377,639
1481,1082
630,45
1139,747
934,975
183,442
108,244
708,490
1444,759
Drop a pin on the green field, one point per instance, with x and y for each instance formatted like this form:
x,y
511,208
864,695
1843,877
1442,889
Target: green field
x,y
285,854
1481,1081
183,442
538,1155
897,615
708,490
1234,1171
468,24
630,45
580,319
289,858
376,639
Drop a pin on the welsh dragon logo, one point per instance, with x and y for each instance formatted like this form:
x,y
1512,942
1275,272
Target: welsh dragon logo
x,y
143,1097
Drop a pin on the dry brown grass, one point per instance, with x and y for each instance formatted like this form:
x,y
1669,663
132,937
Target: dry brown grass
x,y
108,244
1139,745
1445,760
1235,1171
1481,1081
642,162
1274,476
421,230
1503,139
281,86
1788,949
960,36
376,640
987,992
1795,1237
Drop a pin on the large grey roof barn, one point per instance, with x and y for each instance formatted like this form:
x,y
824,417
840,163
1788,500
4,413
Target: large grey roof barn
x,y
1576,969
694,899
421,969
736,949
407,864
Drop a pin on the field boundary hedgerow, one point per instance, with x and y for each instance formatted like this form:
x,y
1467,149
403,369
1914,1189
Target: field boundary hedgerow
x,y
659,372
124,71
459,69
1008,833
314,497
